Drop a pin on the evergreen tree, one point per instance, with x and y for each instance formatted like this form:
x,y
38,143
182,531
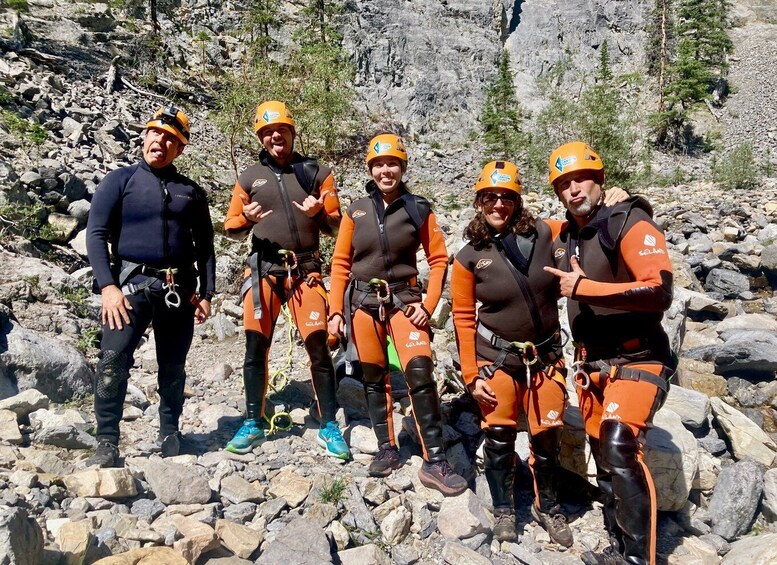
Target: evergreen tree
x,y
261,16
502,117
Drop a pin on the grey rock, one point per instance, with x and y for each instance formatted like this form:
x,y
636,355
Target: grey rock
x,y
241,513
753,550
693,407
701,306
79,209
173,483
350,395
301,542
735,500
33,360
31,178
67,436
769,261
369,554
726,282
147,509
21,539
747,439
455,554
25,402
743,352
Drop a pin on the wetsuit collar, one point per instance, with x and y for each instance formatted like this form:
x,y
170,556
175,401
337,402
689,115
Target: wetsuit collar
x,y
164,172
266,160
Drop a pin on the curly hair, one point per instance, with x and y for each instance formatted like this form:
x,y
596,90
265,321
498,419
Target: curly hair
x,y
478,231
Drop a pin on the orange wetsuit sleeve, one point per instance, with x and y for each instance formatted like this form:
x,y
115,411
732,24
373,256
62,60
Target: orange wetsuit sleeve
x,y
329,218
236,224
643,249
555,227
464,318
437,257
341,265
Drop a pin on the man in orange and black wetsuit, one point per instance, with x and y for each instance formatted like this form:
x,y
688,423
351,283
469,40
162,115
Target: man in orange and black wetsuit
x,y
613,266
285,200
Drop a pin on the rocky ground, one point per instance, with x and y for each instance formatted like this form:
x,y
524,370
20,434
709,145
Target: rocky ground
x,y
712,452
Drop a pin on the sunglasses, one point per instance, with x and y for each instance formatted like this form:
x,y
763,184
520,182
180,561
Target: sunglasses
x,y
169,116
490,198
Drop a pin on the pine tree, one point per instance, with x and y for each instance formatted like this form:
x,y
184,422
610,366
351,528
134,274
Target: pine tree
x,y
503,116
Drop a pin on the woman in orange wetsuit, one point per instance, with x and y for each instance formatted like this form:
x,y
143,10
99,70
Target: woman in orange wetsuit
x,y
375,293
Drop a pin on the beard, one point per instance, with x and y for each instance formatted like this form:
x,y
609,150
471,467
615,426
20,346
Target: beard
x,y
584,208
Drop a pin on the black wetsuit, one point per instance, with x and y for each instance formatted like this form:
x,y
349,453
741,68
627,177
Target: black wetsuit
x,y
156,219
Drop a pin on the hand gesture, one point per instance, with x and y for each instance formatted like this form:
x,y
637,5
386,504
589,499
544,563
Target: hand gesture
x,y
115,307
567,281
418,317
252,211
336,326
311,205
483,393
615,195
202,311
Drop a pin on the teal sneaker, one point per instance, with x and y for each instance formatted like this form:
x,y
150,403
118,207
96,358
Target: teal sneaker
x,y
247,437
331,439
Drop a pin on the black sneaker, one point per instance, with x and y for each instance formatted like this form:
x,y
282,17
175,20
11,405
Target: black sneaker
x,y
440,476
105,455
171,445
385,461
555,523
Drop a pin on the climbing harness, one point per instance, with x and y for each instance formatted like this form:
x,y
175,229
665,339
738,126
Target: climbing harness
x,y
383,294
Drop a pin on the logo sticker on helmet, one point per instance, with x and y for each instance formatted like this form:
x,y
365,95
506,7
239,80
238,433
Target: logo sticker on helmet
x,y
561,163
267,116
497,177
381,147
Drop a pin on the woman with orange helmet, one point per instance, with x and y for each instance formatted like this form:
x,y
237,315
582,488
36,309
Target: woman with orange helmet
x,y
375,294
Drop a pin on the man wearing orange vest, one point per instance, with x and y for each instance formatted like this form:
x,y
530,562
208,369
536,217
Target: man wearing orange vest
x,y
612,265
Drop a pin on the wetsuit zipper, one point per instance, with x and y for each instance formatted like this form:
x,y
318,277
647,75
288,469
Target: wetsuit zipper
x,y
165,229
384,243
289,212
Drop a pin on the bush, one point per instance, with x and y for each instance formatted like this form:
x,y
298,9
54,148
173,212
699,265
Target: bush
x,y
738,169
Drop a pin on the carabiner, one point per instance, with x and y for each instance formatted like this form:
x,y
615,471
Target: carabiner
x,y
383,299
581,378
290,266
172,298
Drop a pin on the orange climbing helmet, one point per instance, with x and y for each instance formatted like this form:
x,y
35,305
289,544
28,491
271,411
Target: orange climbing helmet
x,y
270,113
386,145
171,120
571,157
499,174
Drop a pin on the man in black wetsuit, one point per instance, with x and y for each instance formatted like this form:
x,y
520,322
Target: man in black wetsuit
x,y
158,226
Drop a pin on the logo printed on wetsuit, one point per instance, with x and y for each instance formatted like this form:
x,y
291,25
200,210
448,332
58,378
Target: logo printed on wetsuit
x,y
552,415
612,407
654,251
414,335
259,182
315,316
559,253
483,263
650,240
359,214
415,340
551,419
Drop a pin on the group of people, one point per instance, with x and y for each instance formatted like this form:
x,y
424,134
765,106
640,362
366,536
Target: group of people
x,y
608,258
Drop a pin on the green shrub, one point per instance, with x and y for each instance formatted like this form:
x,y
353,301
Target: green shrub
x,y
738,169
332,493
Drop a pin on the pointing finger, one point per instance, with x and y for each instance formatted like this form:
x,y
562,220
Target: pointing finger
x,y
555,272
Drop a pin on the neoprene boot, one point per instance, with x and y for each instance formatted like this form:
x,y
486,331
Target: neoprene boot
x,y
499,455
323,374
255,374
604,481
171,379
545,447
634,508
110,388
435,472
379,405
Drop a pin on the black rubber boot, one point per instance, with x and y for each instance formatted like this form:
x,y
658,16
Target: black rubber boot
x,y
171,379
378,395
255,374
110,388
499,455
546,510
323,374
426,406
604,481
633,508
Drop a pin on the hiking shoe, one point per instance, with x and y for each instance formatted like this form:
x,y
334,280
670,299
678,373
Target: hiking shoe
x,y
440,476
385,461
504,524
247,437
608,556
171,445
555,523
104,456
331,439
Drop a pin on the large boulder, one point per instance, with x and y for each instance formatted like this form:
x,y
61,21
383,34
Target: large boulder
x,y
735,501
32,360
747,439
753,550
21,539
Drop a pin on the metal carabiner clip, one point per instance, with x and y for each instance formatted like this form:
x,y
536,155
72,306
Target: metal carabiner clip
x,y
172,298
290,265
383,299
581,378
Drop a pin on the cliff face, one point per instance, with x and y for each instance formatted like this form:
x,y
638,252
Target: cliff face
x,y
425,65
